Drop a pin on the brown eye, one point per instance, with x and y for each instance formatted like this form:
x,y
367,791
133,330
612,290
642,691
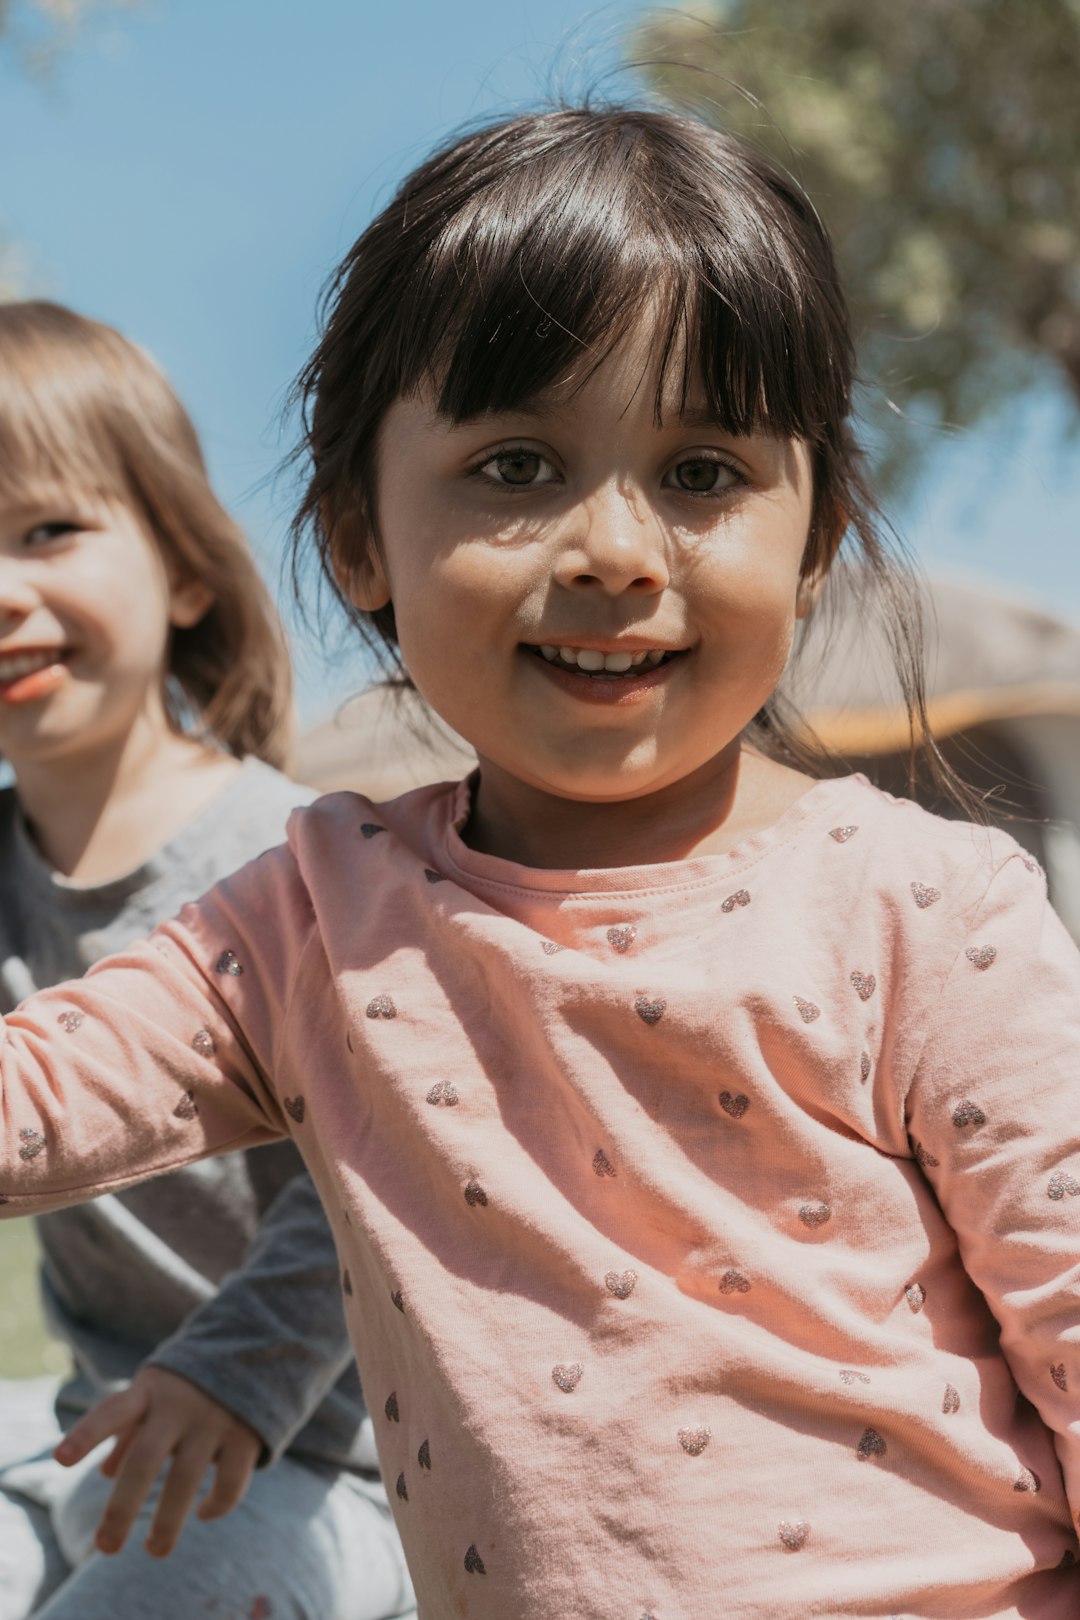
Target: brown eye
x,y
702,476
41,533
518,466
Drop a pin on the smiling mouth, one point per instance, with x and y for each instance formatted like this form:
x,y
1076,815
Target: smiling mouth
x,y
604,666
16,666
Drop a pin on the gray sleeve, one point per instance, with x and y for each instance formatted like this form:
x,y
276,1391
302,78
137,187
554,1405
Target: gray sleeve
x,y
272,1342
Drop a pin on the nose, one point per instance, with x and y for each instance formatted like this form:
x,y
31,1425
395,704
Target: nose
x,y
615,544
18,597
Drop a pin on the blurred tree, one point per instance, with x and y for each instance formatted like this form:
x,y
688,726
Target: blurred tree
x,y
36,33
941,141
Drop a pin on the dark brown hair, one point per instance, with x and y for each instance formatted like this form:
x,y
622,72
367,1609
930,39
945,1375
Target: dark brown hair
x,y
518,255
84,410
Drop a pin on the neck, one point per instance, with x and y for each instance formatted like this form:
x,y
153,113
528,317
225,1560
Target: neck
x,y
736,793
98,814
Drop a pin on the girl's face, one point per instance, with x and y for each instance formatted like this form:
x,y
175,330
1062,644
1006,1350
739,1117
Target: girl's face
x,y
86,611
523,552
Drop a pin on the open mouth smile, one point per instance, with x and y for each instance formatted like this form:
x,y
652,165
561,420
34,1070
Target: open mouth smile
x,y
13,666
32,672
596,665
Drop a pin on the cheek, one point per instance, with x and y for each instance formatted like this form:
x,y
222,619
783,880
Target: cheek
x,y
121,616
447,594
753,589
129,616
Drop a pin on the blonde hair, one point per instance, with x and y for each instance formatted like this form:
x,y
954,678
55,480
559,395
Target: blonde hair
x,y
83,410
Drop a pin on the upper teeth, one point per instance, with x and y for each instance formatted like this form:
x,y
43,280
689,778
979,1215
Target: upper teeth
x,y
16,665
617,663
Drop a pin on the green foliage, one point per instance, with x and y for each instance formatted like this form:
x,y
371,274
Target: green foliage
x,y
940,140
25,1347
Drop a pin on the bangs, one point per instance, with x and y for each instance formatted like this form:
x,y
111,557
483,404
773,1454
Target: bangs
x,y
54,445
536,274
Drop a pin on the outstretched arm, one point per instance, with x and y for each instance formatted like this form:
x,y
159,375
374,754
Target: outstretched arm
x,y
160,1055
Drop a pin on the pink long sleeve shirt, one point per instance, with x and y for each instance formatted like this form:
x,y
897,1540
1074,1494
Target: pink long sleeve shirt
x,y
709,1232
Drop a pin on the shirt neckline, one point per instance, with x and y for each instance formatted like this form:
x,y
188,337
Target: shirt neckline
x,y
827,801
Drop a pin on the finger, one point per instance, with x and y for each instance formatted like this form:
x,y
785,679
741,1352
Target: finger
x,y
136,1473
235,1466
117,1454
110,1416
177,1497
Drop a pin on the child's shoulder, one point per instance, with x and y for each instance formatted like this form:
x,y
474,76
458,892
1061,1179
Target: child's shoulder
x,y
269,793
895,845
248,816
330,822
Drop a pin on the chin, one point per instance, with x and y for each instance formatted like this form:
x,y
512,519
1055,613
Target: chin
x,y
594,785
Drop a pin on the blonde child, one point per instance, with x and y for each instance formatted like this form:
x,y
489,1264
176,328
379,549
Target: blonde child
x,y
144,708
699,1137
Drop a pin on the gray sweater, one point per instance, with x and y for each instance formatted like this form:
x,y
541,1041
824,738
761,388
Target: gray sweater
x,y
225,1271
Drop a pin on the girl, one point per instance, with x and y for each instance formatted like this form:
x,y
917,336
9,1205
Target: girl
x,y
144,703
698,1136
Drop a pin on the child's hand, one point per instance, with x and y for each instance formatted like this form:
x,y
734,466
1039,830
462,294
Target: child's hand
x,y
159,1416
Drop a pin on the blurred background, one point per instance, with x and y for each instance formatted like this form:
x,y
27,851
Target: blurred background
x,y
192,170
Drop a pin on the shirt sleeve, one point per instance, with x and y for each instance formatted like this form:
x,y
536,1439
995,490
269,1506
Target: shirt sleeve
x,y
995,1108
279,1318
161,1054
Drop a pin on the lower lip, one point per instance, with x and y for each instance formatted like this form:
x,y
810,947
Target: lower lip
x,y
32,688
619,690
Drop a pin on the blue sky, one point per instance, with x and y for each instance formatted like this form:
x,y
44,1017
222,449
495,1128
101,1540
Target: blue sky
x,y
195,168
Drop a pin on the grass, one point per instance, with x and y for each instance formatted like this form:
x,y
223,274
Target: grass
x,y
26,1350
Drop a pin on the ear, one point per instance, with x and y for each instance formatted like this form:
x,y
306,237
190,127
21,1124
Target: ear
x,y
359,569
189,602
